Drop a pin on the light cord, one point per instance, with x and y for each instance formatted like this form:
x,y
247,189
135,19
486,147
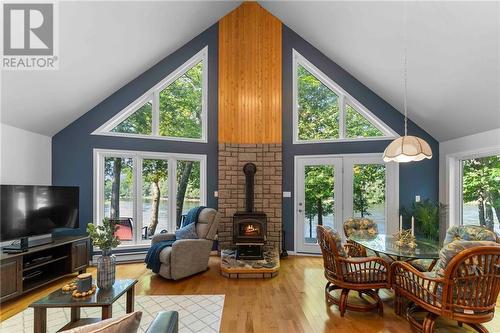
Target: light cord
x,y
405,69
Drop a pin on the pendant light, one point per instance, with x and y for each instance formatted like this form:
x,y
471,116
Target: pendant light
x,y
407,148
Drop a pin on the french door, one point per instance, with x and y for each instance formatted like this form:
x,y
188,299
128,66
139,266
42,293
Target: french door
x,y
330,189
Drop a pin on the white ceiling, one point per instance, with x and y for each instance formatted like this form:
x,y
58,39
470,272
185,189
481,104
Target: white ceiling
x,y
453,56
103,46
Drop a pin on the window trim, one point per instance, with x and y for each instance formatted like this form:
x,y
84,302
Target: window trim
x,y
344,98
454,188
137,157
153,95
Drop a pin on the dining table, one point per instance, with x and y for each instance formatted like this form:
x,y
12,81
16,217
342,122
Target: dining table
x,y
385,245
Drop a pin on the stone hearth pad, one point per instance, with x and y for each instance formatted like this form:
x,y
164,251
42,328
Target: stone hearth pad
x,y
232,268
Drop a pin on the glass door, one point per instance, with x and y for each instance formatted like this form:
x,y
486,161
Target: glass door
x,y
365,192
318,199
330,189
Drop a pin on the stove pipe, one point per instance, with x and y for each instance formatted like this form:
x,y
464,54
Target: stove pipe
x,y
249,169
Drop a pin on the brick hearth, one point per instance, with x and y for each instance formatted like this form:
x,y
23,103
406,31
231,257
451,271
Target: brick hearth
x,y
268,187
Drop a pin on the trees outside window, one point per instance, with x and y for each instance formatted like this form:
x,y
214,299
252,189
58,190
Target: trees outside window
x,y
174,109
139,186
481,191
324,112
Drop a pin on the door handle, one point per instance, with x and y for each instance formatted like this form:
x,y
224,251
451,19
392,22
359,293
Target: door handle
x,y
300,210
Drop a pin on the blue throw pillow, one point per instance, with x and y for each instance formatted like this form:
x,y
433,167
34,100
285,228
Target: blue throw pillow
x,y
187,232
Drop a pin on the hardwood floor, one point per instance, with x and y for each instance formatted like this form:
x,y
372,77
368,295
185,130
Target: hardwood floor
x,y
291,302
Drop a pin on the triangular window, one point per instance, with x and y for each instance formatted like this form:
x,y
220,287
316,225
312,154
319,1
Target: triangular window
x,y
318,110
324,112
139,122
174,109
357,126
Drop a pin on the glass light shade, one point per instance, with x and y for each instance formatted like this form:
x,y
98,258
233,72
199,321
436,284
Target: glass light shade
x,y
407,148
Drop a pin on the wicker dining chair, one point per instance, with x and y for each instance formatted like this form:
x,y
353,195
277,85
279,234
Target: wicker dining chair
x,y
464,288
364,275
360,227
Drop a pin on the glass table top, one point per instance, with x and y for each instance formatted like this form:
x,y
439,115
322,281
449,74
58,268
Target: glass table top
x,y
386,244
101,297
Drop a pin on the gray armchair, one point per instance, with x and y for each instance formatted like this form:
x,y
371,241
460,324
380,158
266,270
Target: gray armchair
x,y
189,256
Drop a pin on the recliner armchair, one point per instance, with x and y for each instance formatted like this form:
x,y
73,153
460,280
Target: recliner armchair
x,y
189,256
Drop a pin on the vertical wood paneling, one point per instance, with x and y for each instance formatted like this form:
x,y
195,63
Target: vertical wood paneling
x,y
249,76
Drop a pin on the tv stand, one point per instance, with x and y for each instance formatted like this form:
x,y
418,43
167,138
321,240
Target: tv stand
x,y
41,265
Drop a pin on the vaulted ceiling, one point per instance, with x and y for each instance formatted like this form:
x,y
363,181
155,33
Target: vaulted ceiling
x,y
453,56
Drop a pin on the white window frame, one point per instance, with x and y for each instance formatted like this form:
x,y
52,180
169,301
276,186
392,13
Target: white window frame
x,y
153,95
455,181
344,98
137,158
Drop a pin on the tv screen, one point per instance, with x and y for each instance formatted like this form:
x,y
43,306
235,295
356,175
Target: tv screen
x,y
37,210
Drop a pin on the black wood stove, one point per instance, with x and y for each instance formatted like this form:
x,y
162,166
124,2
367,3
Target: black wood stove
x,y
249,227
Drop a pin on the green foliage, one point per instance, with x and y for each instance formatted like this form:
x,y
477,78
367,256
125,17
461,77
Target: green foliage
x,y
193,185
368,187
426,215
126,177
319,195
139,122
481,184
103,236
181,105
318,108
359,126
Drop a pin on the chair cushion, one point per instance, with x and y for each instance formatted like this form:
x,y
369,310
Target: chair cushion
x,y
469,233
128,323
360,227
338,241
449,251
187,232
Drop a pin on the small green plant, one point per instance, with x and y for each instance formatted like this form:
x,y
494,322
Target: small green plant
x,y
426,215
103,236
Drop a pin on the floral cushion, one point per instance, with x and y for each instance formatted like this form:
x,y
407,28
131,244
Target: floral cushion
x,y
338,241
469,233
360,227
449,251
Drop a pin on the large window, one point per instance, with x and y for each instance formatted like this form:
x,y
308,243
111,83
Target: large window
x,y
174,109
480,191
324,112
147,193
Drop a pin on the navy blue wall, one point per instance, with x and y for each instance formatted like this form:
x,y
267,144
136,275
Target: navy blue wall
x,y
414,178
72,148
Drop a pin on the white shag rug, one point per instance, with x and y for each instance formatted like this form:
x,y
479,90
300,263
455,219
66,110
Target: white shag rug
x,y
197,313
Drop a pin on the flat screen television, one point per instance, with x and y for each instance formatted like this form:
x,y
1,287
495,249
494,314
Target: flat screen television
x,y
27,210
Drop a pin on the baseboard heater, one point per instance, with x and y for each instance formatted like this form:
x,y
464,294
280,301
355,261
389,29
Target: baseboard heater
x,y
124,256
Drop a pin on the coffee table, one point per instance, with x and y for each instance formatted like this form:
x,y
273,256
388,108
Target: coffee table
x,y
103,298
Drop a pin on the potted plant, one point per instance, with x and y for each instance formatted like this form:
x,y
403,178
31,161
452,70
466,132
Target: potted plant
x,y
104,237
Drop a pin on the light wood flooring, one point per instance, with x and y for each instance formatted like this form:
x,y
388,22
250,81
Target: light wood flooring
x,y
293,301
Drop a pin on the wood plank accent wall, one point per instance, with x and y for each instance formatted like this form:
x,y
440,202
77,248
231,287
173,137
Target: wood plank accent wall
x,y
250,76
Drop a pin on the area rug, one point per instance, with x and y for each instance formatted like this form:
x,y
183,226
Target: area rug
x,y
197,313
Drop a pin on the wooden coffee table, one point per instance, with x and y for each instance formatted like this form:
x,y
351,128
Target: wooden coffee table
x,y
103,298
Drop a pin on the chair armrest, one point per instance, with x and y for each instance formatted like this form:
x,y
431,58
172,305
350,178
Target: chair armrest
x,y
366,270
191,245
354,250
165,322
162,237
421,285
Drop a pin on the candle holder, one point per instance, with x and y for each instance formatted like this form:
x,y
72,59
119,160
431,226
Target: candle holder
x,y
405,239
